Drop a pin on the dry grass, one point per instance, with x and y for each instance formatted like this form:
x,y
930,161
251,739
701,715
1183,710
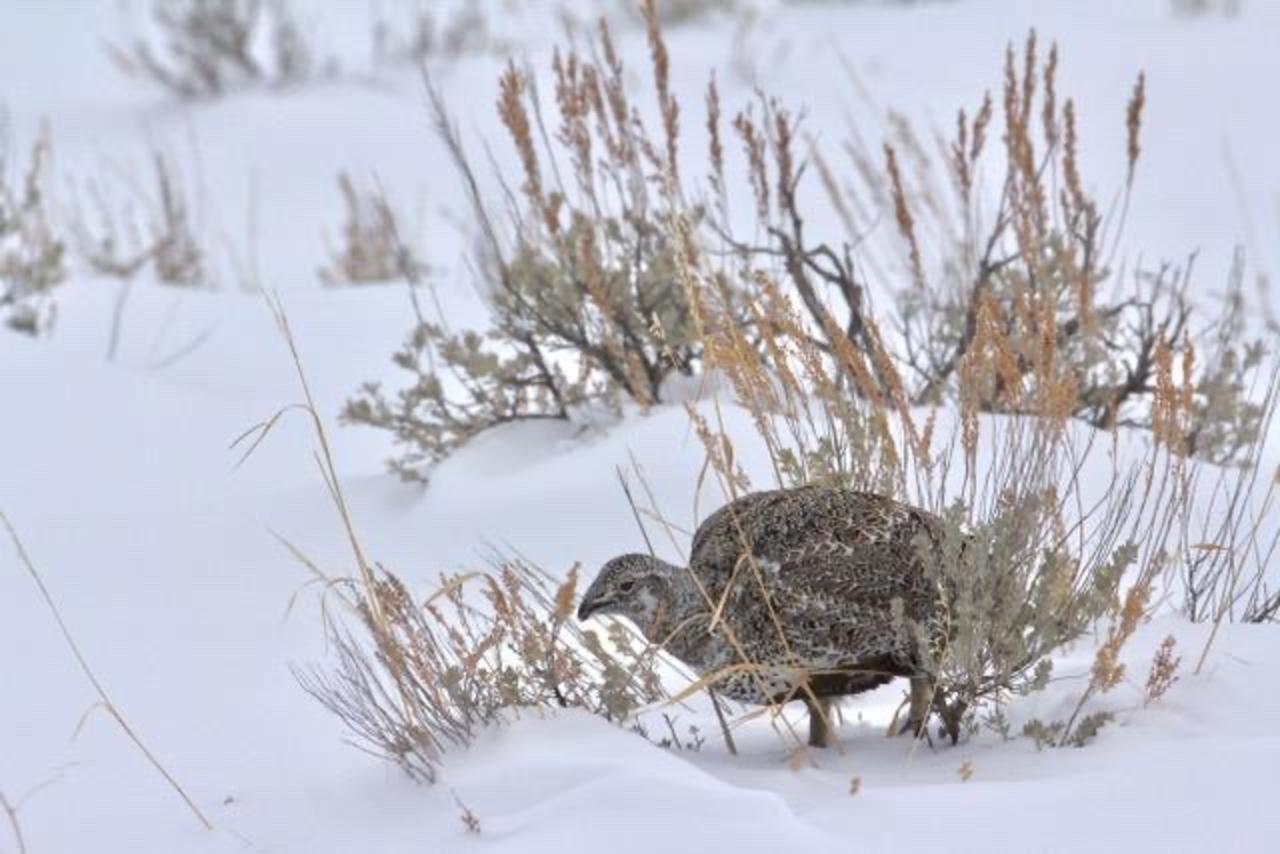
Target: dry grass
x,y
371,248
104,700
128,223
32,254
443,667
419,674
1234,540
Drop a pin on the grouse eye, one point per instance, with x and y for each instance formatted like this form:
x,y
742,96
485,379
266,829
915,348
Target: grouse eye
x,y
626,587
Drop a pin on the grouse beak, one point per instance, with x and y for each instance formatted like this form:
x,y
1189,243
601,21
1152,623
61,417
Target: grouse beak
x,y
588,607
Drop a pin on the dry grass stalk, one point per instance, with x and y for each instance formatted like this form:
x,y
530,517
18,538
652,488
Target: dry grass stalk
x,y
667,104
902,215
104,700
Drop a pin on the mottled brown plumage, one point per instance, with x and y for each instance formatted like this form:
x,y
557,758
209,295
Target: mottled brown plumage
x,y
802,582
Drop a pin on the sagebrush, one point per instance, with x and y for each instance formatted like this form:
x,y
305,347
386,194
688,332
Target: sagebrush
x,y
1011,355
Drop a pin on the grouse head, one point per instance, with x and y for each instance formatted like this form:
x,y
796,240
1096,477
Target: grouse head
x,y
635,586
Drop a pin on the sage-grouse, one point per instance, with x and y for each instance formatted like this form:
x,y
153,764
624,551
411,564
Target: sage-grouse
x,y
801,582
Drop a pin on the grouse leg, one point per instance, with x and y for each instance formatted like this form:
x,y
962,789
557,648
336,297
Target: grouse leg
x,y
820,734
917,724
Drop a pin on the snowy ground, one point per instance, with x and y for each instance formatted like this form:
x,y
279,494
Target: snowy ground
x,y
159,552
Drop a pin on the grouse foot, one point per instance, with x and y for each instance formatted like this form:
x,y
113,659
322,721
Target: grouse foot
x,y
820,732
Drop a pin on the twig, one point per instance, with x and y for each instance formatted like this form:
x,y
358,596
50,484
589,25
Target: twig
x,y
724,723
104,699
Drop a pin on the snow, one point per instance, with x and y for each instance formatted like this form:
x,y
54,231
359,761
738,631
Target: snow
x,y
159,551
1142,787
